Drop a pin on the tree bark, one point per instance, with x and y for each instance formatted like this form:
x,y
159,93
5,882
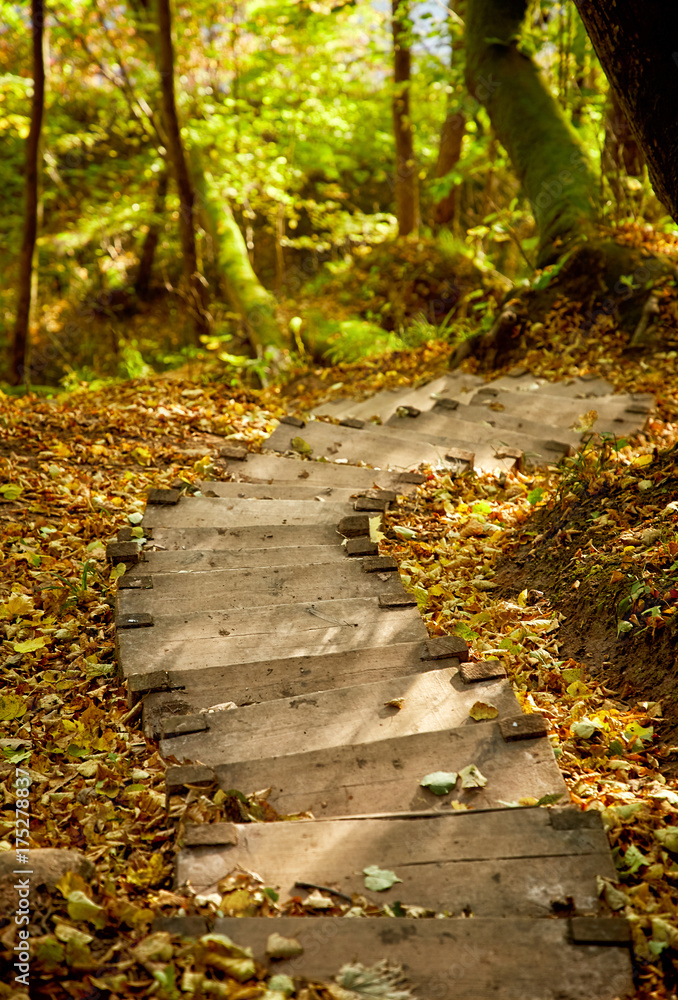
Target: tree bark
x,y
406,181
147,257
20,347
545,151
196,289
637,44
449,153
247,295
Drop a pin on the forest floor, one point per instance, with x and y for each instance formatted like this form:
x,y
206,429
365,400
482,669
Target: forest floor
x,y
570,575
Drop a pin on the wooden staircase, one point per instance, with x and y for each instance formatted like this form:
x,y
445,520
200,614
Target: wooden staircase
x,y
266,592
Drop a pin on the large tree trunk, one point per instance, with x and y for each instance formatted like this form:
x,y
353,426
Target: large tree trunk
x,y
196,288
406,181
545,151
247,295
637,44
20,346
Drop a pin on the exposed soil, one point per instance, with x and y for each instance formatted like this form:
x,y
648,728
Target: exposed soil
x,y
604,554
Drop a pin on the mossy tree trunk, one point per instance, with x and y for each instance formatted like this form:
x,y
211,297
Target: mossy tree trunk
x,y
550,161
637,44
406,179
245,292
20,346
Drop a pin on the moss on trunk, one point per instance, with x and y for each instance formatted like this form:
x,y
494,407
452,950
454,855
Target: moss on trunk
x,y
546,153
245,292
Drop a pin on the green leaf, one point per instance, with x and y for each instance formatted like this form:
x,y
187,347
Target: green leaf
x,y
440,782
668,838
535,495
633,860
135,518
11,491
81,907
550,799
405,533
379,879
303,447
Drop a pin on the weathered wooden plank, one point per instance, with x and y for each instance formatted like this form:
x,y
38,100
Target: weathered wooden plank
x,y
432,700
208,561
384,446
174,593
614,415
457,385
215,639
457,959
573,388
385,776
471,424
276,468
271,679
212,539
284,491
489,864
213,512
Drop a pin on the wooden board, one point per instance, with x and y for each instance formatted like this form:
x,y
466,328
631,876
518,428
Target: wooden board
x,y
540,450
432,700
174,593
574,388
614,416
384,776
208,561
269,468
215,639
383,446
490,864
212,512
282,491
271,679
384,404
458,959
475,423
251,537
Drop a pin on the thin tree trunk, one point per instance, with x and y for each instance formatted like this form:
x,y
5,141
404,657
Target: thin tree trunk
x,y
637,44
21,345
407,181
449,153
546,153
196,289
247,295
147,257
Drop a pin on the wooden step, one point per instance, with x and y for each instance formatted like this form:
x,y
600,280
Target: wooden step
x,y
461,425
572,388
174,593
208,561
182,692
290,491
618,415
219,638
458,959
432,700
383,405
501,863
209,539
385,776
385,446
212,512
269,468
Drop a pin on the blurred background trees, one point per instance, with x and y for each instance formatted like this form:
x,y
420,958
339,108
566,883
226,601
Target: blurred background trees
x,y
346,191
